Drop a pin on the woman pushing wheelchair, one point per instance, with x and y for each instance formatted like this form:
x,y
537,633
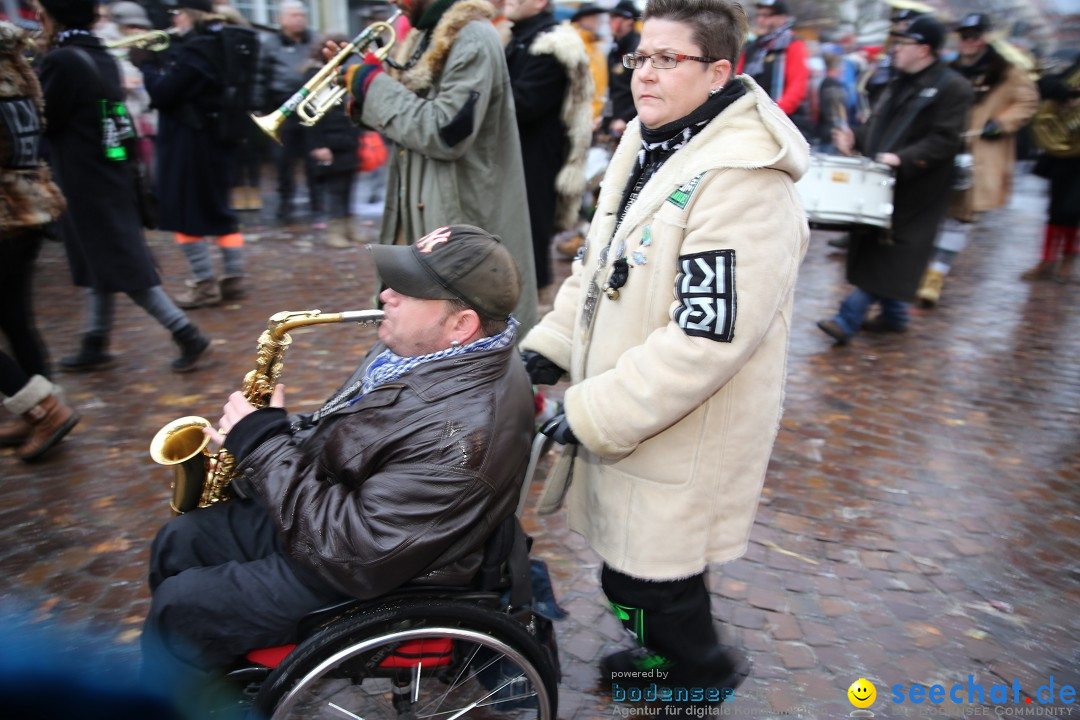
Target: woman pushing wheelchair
x,y
673,330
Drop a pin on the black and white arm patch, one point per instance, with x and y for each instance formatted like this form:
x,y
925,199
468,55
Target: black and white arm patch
x,y
705,288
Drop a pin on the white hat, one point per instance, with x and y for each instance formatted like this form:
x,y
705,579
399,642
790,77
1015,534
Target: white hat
x,y
129,14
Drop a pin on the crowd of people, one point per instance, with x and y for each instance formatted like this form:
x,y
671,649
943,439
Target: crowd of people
x,y
671,331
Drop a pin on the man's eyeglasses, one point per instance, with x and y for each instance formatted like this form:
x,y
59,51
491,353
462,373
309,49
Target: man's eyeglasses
x,y
660,61
970,34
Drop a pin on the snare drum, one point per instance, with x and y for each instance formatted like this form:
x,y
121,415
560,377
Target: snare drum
x,y
839,192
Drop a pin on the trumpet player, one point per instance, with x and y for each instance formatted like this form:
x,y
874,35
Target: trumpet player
x,y
447,105
368,492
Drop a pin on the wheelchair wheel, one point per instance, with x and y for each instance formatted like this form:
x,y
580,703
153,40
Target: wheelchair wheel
x,y
417,659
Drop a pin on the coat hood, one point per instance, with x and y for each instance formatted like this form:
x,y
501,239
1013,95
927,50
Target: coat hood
x,y
752,133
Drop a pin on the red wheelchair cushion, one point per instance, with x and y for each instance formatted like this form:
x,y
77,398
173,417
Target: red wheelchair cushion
x,y
433,652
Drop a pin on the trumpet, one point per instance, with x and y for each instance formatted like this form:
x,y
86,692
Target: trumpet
x,y
322,92
154,41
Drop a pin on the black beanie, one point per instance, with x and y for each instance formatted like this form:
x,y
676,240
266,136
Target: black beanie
x,y
72,13
203,5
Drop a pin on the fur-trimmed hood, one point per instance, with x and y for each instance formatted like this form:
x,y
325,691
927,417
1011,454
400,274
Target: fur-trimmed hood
x,y
422,74
565,44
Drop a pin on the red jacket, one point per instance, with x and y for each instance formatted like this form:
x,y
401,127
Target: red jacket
x,y
796,77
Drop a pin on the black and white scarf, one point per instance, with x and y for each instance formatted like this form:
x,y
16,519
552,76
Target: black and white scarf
x,y
658,144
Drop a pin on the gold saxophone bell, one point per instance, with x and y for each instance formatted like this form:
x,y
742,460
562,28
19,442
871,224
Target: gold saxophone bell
x,y
154,41
182,444
322,92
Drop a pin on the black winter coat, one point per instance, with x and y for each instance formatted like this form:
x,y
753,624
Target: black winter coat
x,y
539,83
102,228
194,167
407,482
622,97
893,266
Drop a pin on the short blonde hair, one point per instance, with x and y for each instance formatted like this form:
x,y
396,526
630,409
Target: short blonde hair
x,y
719,26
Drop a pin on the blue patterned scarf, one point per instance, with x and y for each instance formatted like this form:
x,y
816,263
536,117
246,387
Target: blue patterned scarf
x,y
389,366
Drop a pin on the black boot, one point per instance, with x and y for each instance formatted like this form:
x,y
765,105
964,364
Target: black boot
x,y
91,355
678,642
194,348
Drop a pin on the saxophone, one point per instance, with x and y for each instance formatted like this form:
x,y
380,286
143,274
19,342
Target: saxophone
x,y
202,479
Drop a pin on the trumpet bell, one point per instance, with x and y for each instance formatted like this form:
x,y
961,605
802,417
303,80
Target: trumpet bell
x,y
271,123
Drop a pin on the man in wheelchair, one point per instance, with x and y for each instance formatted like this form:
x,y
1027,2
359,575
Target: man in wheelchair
x,y
400,477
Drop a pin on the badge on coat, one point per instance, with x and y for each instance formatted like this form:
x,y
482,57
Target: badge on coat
x,y
682,196
705,289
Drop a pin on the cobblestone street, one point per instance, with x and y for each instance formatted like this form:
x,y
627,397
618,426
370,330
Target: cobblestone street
x,y
920,521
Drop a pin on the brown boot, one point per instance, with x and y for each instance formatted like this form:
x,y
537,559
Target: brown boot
x,y
569,248
14,432
1043,271
335,233
238,198
929,292
199,293
49,419
1065,271
232,287
254,198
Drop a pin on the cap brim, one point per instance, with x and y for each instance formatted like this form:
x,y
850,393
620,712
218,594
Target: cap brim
x,y
402,272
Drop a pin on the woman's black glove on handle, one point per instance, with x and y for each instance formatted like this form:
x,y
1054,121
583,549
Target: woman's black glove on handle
x,y
558,429
541,370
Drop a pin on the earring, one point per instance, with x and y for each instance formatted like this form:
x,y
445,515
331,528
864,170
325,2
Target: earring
x,y
454,343
715,90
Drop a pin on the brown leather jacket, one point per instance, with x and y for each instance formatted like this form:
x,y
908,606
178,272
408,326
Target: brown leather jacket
x,y
405,484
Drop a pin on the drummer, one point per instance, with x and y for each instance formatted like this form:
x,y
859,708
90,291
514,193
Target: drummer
x,y
915,128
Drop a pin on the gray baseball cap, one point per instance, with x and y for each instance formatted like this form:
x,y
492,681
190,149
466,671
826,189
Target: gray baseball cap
x,y
455,262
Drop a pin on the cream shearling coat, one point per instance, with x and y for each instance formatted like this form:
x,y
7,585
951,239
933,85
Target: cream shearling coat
x,y
1011,104
676,431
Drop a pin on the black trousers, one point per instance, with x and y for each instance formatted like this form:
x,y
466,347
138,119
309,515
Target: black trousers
x,y
293,148
335,192
221,586
17,256
670,617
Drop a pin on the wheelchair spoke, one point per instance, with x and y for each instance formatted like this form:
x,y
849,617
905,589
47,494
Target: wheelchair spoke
x,y
425,671
344,711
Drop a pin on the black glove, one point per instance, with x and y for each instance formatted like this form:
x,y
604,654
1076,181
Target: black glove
x,y
541,370
992,131
558,429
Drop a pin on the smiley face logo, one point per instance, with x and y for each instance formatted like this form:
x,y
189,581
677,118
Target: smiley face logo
x,y
862,693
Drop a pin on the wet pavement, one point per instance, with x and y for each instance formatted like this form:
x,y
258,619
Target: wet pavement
x,y
920,523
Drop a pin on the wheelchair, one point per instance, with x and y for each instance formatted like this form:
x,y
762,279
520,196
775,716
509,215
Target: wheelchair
x,y
422,652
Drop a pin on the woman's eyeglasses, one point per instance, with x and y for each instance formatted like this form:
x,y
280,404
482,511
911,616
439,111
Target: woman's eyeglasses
x,y
660,61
